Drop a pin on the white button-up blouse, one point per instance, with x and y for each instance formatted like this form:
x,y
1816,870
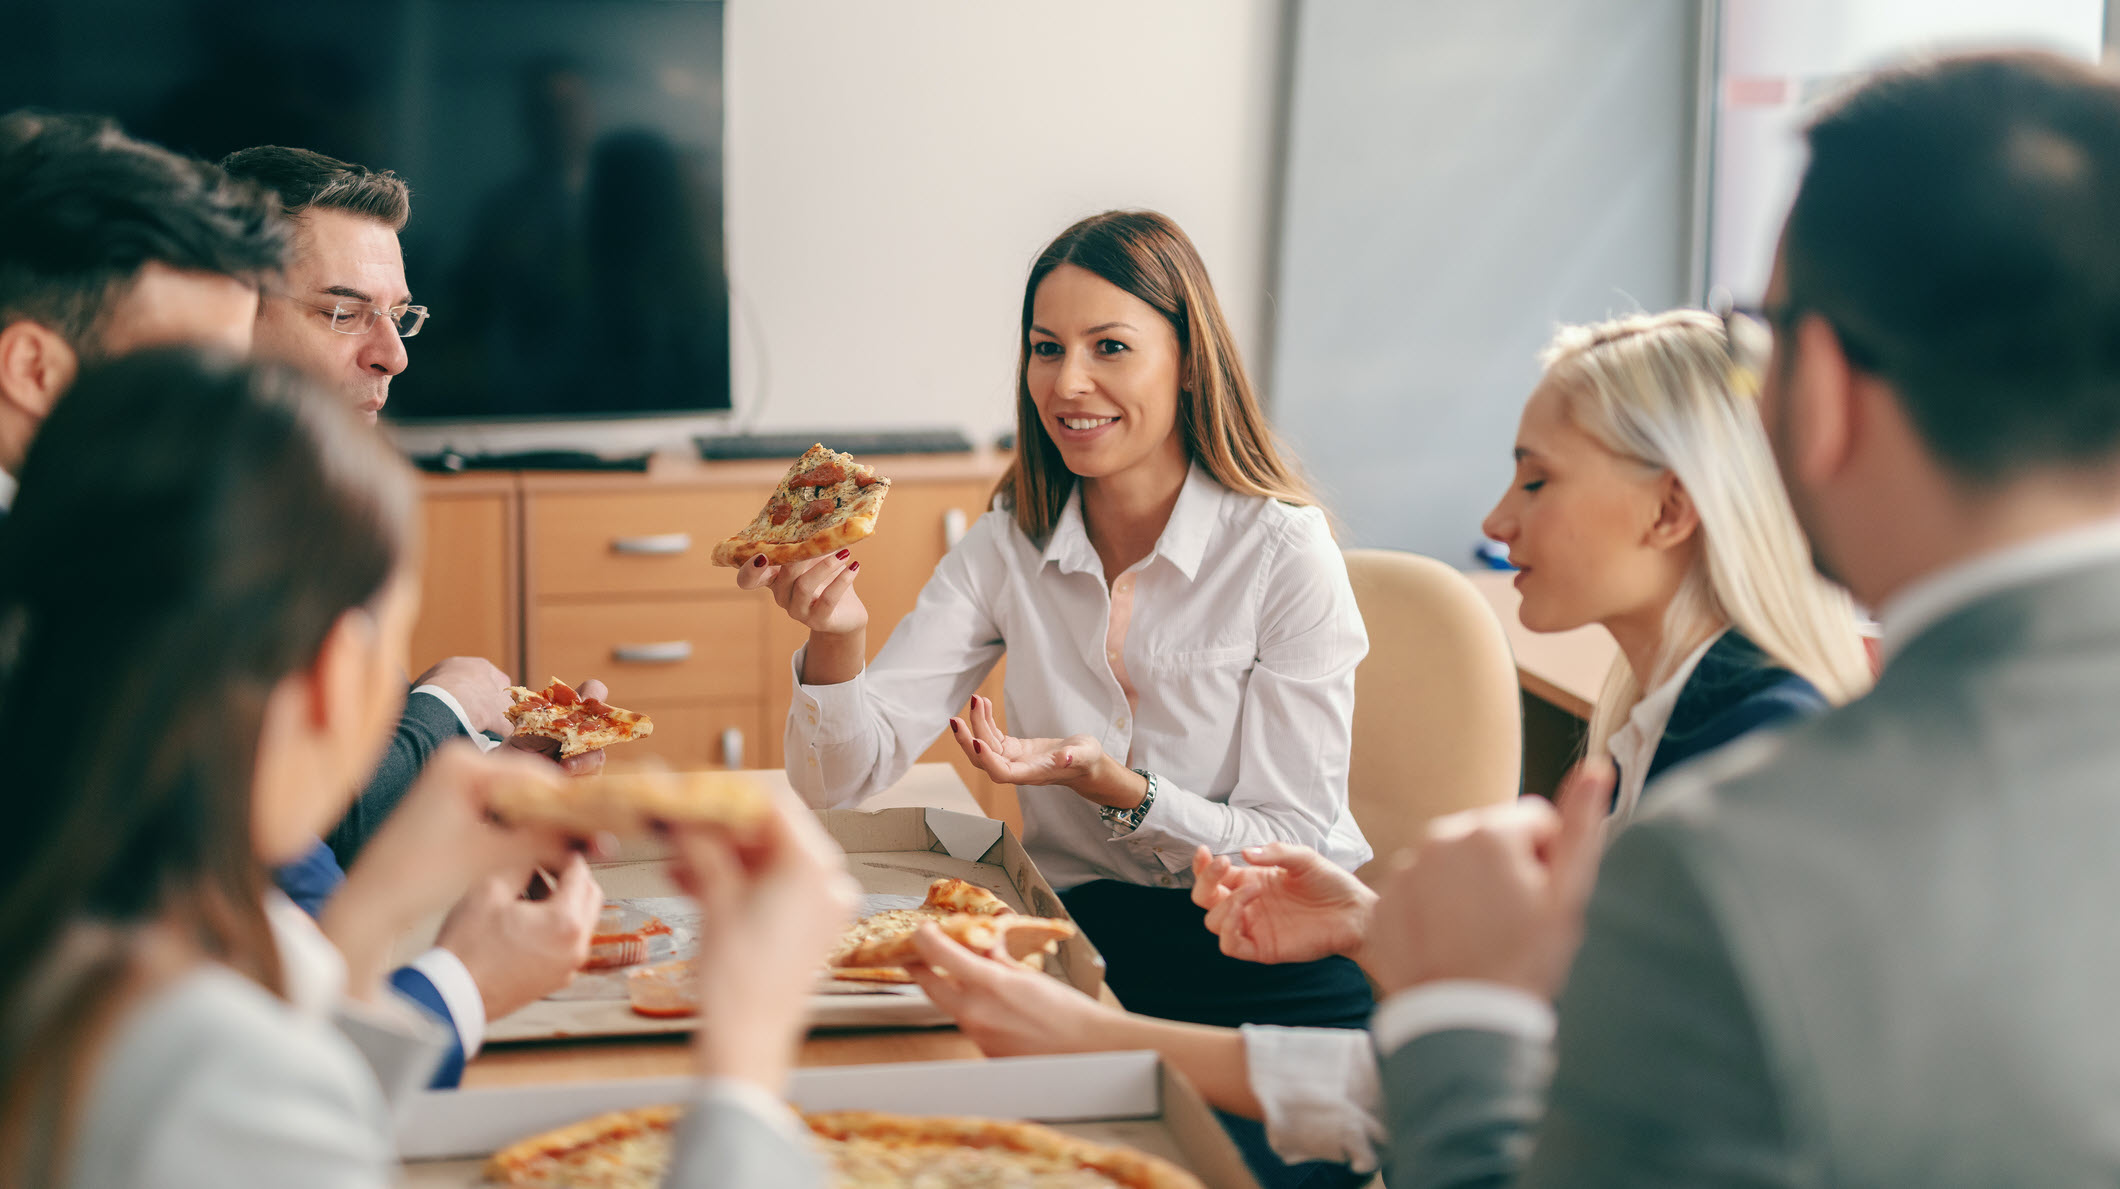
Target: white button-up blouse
x,y
1223,662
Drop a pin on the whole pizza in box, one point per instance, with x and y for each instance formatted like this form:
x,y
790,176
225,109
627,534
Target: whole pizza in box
x,y
859,1149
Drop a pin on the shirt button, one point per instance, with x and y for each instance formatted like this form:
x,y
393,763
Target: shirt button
x,y
813,761
1163,881
1119,723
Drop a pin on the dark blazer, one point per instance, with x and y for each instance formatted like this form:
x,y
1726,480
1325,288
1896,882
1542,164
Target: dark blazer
x,y
1734,690
1869,951
425,725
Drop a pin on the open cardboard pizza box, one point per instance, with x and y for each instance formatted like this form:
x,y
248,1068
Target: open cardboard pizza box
x,y
894,853
1109,1098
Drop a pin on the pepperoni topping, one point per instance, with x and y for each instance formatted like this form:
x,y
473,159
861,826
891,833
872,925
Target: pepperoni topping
x,y
780,512
816,508
824,474
864,477
562,694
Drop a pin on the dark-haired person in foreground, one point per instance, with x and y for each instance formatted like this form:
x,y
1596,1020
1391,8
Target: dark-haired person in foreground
x,y
341,310
169,1020
1872,951
108,245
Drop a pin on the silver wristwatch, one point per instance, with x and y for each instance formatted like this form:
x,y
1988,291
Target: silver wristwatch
x,y
1125,821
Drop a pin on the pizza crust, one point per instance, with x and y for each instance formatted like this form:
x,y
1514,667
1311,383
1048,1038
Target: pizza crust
x,y
628,804
855,498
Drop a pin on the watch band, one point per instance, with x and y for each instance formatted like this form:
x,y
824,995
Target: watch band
x,y
1126,821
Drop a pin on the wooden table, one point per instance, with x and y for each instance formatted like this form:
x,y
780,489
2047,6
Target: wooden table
x,y
934,786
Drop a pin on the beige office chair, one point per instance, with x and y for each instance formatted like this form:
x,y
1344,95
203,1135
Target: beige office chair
x,y
1437,722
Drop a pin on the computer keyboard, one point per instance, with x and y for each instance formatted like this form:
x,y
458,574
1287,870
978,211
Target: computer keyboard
x,y
727,447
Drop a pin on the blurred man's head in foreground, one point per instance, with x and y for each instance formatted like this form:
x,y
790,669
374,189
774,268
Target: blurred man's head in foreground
x,y
1947,298
107,245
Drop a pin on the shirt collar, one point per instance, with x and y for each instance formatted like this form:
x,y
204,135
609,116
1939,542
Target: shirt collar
x,y
1633,746
1184,540
7,491
1923,603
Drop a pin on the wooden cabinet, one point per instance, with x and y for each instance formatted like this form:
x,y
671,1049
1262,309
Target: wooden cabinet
x,y
608,576
471,588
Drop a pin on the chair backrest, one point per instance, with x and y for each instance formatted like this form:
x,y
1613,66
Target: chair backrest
x,y
1438,725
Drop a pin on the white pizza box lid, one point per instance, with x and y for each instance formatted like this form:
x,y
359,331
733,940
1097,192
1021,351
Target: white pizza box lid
x,y
1125,1098
894,854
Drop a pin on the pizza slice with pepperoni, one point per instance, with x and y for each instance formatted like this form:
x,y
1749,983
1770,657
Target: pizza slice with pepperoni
x,y
824,503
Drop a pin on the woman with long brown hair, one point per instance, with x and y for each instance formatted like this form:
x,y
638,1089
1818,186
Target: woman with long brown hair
x,y
205,588
1181,634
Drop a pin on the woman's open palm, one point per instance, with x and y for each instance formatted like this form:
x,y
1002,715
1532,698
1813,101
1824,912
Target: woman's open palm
x,y
1010,760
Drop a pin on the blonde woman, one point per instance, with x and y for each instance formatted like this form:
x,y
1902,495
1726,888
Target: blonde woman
x,y
1644,500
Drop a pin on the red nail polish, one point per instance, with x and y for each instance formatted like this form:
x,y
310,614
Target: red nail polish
x,y
854,567
843,554
760,560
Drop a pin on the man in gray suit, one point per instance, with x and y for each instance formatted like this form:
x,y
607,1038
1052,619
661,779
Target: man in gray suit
x,y
1879,949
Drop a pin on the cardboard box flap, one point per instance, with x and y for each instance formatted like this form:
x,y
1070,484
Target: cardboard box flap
x,y
963,836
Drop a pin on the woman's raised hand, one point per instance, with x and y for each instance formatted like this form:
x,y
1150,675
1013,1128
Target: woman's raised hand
x,y
1010,760
818,593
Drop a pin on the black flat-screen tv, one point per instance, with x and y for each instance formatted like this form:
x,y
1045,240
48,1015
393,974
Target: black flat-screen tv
x,y
564,157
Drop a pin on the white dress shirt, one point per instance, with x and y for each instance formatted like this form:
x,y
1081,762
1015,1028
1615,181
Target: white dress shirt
x,y
1917,607
1237,637
7,491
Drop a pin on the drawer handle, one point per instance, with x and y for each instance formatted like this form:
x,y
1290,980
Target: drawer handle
x,y
658,545
669,652
732,748
953,526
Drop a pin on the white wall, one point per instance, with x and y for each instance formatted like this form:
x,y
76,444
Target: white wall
x,y
1460,178
893,168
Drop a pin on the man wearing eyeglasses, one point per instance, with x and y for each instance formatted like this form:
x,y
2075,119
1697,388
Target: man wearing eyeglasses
x,y
341,312
343,309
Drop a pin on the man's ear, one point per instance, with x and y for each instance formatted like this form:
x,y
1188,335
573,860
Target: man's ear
x,y
1676,517
1820,415
36,365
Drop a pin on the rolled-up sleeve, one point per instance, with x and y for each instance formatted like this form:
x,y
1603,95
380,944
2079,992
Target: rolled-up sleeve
x,y
1296,727
850,741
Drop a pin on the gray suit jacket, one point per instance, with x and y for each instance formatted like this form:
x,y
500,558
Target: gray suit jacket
x,y
215,1083
1878,950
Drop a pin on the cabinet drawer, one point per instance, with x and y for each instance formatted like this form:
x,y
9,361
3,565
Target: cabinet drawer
x,y
665,648
690,735
633,542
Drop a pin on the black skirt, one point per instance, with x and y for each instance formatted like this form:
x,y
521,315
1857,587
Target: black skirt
x,y
1161,961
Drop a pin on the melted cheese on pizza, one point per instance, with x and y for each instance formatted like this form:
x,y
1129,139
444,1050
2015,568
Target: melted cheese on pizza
x,y
580,724
885,1164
